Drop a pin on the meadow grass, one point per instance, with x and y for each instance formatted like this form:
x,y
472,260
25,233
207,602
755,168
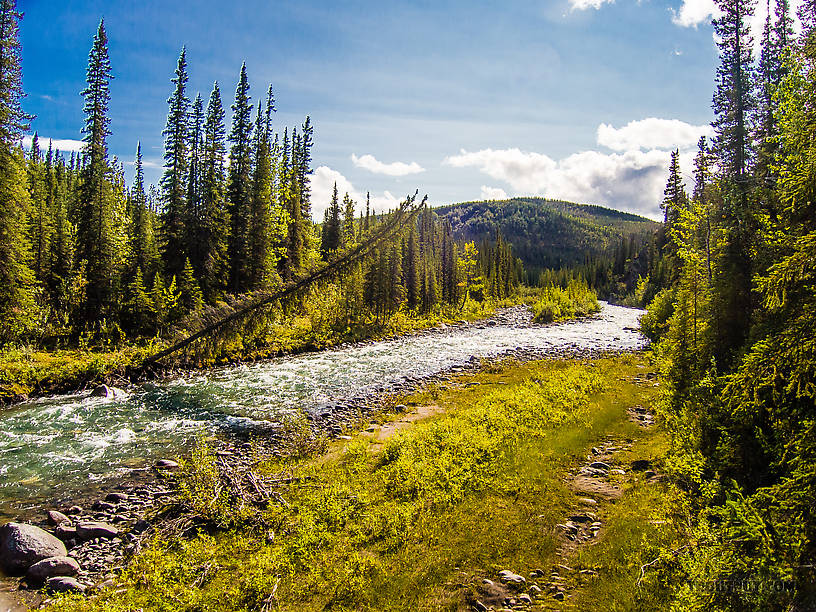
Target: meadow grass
x,y
418,520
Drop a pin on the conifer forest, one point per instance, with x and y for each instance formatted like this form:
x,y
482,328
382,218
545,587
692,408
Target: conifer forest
x,y
220,392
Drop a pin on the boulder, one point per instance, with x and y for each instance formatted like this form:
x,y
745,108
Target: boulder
x,y
103,391
53,566
64,584
56,518
90,530
106,391
21,546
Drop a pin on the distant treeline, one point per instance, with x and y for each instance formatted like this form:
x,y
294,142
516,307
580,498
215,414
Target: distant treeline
x,y
609,249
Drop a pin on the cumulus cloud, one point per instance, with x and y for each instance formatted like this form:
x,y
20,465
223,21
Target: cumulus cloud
x,y
694,12
64,145
323,181
493,193
631,181
372,164
651,133
582,5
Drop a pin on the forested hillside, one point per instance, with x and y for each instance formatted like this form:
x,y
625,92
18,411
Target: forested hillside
x,y
547,233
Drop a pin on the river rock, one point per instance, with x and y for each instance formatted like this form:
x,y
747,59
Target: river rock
x,y
106,391
116,498
21,546
599,465
90,530
65,532
511,577
53,566
57,518
166,464
64,584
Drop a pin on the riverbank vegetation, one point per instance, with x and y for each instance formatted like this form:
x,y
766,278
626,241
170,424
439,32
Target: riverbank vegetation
x,y
415,519
557,304
736,345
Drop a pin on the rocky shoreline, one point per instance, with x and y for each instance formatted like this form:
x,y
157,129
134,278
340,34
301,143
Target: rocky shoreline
x,y
102,529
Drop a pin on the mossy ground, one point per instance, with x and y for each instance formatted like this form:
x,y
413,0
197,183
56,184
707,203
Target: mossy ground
x,y
415,522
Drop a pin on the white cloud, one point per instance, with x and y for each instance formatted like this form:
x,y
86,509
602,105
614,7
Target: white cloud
x,y
372,164
651,133
632,181
694,12
64,145
582,5
493,193
323,181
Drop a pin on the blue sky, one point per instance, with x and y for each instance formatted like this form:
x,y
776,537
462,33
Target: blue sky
x,y
580,99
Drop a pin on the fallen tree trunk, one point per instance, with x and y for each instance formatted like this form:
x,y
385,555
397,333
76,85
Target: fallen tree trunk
x,y
394,223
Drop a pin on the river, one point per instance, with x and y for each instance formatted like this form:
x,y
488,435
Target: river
x,y
52,445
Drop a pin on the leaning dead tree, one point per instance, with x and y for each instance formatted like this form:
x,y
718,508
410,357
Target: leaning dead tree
x,y
393,224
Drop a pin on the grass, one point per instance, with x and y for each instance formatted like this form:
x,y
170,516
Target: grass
x,y
29,372
417,521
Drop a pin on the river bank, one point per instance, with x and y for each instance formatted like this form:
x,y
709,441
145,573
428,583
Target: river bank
x,y
64,443
409,512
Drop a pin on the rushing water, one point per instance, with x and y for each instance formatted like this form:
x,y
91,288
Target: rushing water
x,y
50,444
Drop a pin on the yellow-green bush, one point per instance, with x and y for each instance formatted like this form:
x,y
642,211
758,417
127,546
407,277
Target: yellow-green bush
x,y
557,304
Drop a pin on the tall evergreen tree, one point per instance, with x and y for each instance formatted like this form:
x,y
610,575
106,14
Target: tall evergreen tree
x,y
176,168
17,284
41,222
330,237
734,108
195,213
261,260
239,185
348,220
95,243
144,250
213,264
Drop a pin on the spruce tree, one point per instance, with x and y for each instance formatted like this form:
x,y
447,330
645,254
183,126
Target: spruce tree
x,y
176,167
144,250
734,108
62,244
17,283
95,232
239,185
330,237
190,297
41,222
215,219
348,220
261,261
195,214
